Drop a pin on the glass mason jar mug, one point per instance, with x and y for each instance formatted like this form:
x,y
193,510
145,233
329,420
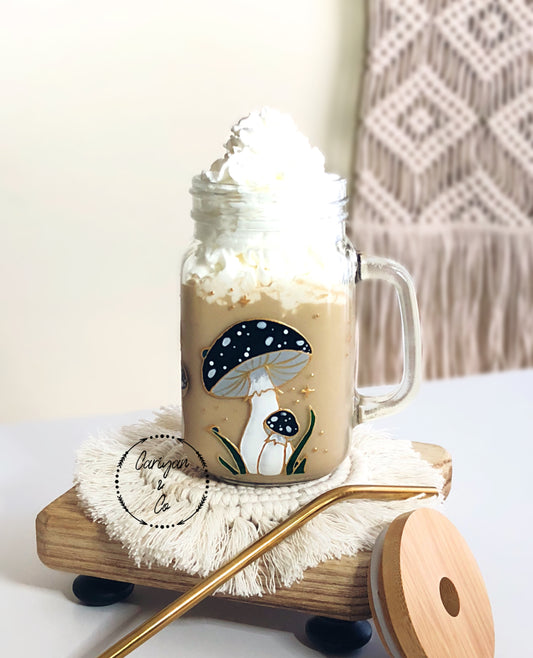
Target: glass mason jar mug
x,y
268,333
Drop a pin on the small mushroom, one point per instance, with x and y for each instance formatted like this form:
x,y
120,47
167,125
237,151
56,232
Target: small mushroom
x,y
249,360
282,422
281,427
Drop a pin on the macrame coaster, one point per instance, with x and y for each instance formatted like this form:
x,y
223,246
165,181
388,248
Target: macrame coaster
x,y
444,181
231,517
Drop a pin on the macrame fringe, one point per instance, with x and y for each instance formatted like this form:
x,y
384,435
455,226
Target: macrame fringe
x,y
475,293
235,516
456,207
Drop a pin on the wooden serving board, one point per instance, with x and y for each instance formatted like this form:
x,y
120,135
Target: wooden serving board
x,y
68,540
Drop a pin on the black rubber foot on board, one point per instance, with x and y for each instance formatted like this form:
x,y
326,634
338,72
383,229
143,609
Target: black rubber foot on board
x,y
337,636
100,591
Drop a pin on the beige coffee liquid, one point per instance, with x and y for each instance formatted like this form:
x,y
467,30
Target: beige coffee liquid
x,y
318,382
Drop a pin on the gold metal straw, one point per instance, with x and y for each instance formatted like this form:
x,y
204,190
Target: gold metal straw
x,y
206,587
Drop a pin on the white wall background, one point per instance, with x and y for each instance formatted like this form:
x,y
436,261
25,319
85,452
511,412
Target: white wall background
x,y
107,109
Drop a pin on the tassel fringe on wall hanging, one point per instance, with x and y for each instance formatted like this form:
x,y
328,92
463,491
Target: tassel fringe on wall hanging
x,y
444,182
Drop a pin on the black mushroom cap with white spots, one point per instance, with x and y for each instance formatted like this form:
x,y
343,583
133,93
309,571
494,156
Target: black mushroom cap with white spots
x,y
282,422
250,346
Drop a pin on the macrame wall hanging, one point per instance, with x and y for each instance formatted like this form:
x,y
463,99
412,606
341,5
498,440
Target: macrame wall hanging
x,y
444,181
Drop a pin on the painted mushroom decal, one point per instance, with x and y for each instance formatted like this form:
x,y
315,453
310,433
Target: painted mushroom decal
x,y
249,360
184,380
281,426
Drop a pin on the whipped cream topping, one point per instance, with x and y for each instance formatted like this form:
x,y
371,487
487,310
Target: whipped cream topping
x,y
226,276
267,218
266,150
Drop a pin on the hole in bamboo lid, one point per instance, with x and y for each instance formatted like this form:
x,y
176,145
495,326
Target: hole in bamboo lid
x,y
449,597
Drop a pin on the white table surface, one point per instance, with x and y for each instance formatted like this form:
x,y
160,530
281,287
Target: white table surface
x,y
485,421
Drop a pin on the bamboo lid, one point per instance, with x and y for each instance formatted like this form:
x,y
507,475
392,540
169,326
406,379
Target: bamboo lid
x,y
426,592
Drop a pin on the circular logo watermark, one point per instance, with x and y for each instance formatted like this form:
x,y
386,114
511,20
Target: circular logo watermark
x,y
144,476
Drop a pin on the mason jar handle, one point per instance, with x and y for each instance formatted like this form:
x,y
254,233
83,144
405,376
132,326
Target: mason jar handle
x,y
384,269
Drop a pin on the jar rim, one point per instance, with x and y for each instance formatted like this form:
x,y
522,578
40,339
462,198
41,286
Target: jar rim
x,y
334,190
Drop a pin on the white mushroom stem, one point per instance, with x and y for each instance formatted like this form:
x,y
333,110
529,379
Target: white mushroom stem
x,y
274,454
263,402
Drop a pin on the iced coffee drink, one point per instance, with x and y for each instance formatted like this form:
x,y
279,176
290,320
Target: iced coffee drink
x,y
267,310
257,374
